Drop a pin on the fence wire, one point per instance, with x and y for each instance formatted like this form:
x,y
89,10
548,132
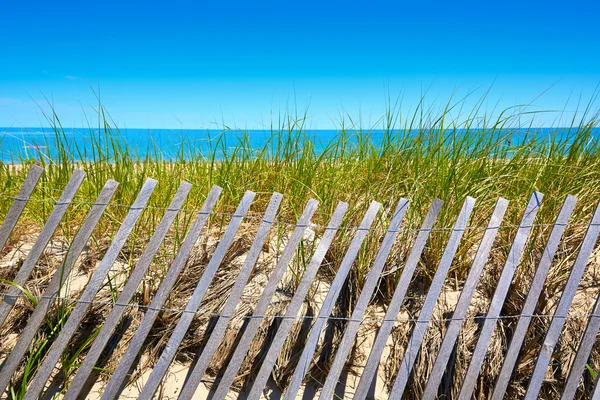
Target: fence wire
x,y
298,317
283,223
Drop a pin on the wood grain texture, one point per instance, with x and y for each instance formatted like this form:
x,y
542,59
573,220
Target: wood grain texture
x,y
193,304
537,285
512,261
347,341
131,286
36,319
583,352
59,210
76,316
560,314
160,297
263,303
329,302
19,203
416,338
195,376
391,314
462,306
293,309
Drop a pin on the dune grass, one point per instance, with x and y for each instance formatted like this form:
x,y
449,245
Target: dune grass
x,y
420,156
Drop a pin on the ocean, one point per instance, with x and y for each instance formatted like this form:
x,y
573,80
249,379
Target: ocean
x,y
19,144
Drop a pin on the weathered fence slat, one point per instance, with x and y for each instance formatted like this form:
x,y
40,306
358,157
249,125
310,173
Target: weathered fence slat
x,y
596,393
512,261
462,306
19,203
583,352
558,320
160,297
391,314
329,302
195,376
287,322
41,242
533,296
345,345
263,303
414,343
37,317
133,281
166,357
61,342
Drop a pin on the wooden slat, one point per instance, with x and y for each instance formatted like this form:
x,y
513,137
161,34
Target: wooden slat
x,y
73,322
533,296
42,240
195,376
583,352
560,315
462,306
512,261
160,297
293,309
329,302
37,317
414,343
19,203
387,324
128,292
596,393
193,304
364,298
265,299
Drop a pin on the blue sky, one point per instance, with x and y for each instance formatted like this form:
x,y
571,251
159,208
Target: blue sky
x,y
193,65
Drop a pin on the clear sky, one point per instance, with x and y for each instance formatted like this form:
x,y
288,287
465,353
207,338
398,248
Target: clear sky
x,y
193,64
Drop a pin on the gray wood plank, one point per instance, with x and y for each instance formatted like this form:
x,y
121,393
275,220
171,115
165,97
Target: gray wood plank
x,y
131,286
329,302
265,299
37,317
533,296
560,315
160,297
73,322
512,261
387,324
596,392
41,242
414,343
195,376
362,303
19,203
293,309
462,306
193,304
583,352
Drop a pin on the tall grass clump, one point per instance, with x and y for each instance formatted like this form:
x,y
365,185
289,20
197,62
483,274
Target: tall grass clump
x,y
444,153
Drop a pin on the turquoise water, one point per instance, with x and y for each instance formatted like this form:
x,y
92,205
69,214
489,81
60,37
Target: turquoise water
x,y
18,144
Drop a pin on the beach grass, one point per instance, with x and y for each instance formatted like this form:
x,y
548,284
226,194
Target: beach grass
x,y
420,156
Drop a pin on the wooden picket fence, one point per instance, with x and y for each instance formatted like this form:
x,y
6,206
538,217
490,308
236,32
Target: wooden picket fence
x,y
120,375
